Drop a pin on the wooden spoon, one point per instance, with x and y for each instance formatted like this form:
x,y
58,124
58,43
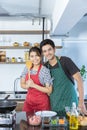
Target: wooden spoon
x,y
28,65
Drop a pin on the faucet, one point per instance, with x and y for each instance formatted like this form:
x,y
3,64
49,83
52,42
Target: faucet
x,y
15,85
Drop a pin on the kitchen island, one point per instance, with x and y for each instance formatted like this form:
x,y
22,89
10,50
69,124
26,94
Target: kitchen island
x,y
21,124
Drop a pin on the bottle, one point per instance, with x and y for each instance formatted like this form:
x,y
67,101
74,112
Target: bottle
x,y
73,123
26,56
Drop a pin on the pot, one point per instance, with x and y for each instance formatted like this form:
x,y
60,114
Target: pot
x,y
7,106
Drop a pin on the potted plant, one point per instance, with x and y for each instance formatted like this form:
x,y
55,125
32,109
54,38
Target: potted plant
x,y
83,72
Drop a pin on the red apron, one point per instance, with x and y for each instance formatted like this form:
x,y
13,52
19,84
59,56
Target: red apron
x,y
35,99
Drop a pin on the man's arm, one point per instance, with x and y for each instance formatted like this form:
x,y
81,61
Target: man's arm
x,y
81,105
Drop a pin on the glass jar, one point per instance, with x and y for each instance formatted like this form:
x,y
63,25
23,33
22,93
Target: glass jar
x,y
13,59
7,59
26,56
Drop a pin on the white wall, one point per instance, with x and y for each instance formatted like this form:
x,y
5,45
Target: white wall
x,y
76,50
19,25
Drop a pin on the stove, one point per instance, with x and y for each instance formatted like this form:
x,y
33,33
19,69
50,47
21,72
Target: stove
x,y
7,120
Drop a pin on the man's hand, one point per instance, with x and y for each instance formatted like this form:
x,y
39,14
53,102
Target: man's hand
x,y
82,108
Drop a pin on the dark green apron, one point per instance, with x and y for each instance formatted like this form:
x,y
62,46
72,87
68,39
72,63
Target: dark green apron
x,y
64,92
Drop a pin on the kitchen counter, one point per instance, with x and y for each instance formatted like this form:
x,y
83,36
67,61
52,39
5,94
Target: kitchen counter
x,y
21,124
17,96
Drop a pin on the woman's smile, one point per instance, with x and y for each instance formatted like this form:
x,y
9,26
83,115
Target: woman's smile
x,y
35,58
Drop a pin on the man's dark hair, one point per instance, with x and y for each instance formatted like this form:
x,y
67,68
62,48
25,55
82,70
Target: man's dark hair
x,y
47,42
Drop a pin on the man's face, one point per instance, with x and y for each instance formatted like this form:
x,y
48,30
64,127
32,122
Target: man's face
x,y
48,51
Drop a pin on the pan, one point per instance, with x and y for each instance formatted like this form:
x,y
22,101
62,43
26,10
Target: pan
x,y
6,105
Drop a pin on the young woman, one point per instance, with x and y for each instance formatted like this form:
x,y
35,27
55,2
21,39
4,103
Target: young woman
x,y
39,85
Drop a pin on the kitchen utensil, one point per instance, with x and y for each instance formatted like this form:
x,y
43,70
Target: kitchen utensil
x,y
46,113
28,65
6,105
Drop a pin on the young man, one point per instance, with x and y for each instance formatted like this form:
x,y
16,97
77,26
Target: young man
x,y
64,72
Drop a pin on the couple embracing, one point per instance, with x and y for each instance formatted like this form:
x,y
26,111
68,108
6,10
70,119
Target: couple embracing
x,y
51,86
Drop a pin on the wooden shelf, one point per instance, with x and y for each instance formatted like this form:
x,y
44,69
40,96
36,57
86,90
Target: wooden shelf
x,y
12,47
12,62
22,47
20,32
59,47
19,47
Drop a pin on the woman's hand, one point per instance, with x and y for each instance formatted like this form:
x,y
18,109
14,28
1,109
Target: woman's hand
x,y
46,89
30,83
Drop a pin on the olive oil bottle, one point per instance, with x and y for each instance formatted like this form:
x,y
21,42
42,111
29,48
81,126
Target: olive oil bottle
x,y
73,122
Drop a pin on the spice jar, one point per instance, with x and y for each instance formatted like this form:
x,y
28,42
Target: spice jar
x,y
2,58
7,59
19,59
13,59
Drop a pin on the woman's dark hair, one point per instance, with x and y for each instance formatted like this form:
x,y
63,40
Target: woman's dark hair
x,y
47,42
35,49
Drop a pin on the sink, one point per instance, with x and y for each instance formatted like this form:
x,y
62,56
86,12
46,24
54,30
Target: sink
x,y
17,96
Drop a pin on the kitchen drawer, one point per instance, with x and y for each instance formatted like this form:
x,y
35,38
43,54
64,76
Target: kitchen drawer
x,y
19,105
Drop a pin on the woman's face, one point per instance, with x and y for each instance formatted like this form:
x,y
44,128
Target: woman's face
x,y
48,51
36,60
